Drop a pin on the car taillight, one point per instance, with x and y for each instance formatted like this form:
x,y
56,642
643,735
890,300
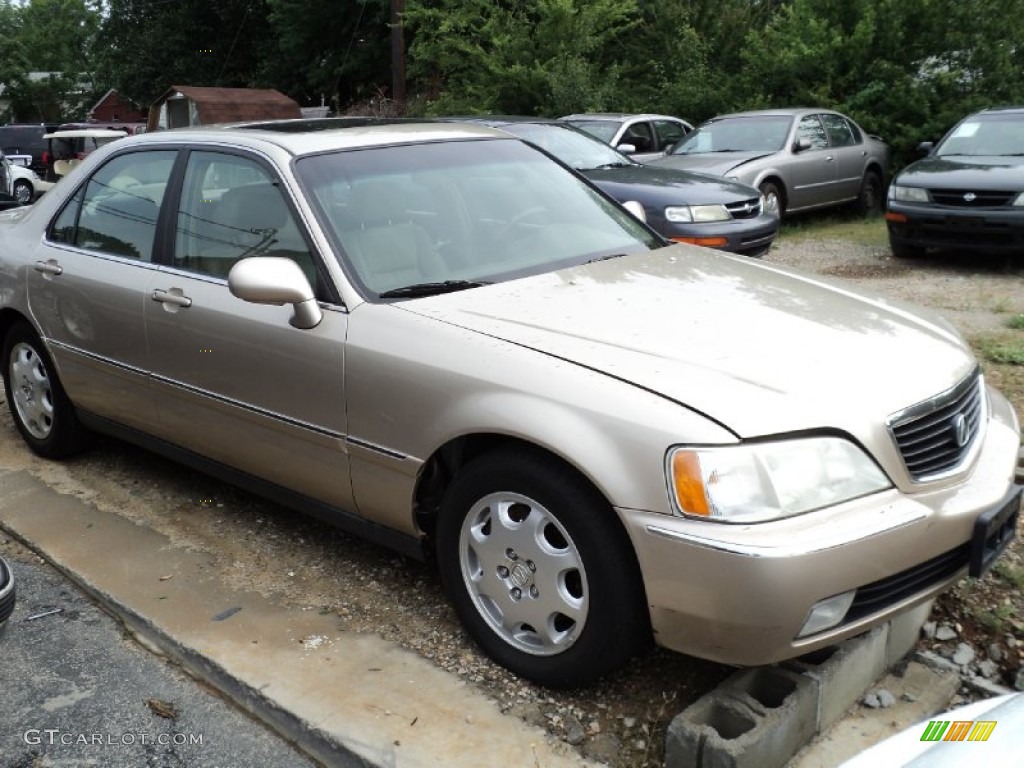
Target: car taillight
x,y
46,158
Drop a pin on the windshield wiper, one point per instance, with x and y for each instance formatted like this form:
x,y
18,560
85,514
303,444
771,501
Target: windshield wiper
x,y
604,258
431,289
612,165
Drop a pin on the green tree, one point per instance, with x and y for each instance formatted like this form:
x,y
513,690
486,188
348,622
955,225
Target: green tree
x,y
145,46
331,50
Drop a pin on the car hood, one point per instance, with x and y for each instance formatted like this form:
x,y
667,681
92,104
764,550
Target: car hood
x,y
665,186
717,163
959,172
758,348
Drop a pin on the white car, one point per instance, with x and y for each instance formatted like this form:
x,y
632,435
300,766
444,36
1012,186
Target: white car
x,y
20,182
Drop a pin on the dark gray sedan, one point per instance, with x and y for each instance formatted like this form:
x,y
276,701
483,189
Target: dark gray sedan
x,y
800,159
968,194
686,207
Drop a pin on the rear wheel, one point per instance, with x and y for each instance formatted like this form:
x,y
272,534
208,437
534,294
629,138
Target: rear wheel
x,y
539,569
41,410
23,191
869,201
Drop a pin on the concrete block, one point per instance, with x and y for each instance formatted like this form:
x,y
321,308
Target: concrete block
x,y
843,672
757,718
905,631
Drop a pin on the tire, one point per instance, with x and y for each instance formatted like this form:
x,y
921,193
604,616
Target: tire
x,y
23,191
539,569
773,197
41,410
905,251
869,199
7,592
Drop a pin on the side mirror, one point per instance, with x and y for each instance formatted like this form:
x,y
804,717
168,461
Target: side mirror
x,y
802,144
926,147
278,281
626,149
636,209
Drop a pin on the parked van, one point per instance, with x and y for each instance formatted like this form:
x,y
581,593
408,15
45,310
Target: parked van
x,y
25,140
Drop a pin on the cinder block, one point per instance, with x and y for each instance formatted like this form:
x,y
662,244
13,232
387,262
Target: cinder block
x,y
757,718
905,631
844,672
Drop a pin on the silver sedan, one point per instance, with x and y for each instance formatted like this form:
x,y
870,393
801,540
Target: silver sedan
x,y
800,159
438,337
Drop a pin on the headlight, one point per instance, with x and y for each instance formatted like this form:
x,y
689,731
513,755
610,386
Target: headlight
x,y
908,194
1019,200
696,213
768,481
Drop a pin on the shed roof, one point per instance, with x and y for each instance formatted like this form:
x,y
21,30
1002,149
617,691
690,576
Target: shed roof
x,y
225,105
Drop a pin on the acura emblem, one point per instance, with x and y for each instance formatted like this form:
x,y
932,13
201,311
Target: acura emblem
x,y
961,432
970,197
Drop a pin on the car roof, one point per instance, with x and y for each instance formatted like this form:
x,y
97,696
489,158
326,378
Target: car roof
x,y
993,110
780,112
620,116
86,133
304,137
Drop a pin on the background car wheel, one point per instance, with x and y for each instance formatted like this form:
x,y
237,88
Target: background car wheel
x,y
41,411
539,569
23,191
773,200
7,595
904,251
869,201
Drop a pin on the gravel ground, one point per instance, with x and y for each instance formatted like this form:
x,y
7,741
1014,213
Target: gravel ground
x,y
284,555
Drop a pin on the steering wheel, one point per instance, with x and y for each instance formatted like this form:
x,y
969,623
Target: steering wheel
x,y
520,218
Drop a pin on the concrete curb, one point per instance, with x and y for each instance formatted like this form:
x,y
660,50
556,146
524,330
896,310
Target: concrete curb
x,y
347,700
761,717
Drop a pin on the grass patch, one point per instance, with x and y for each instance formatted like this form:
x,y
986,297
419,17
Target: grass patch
x,y
1000,349
836,226
1016,322
998,619
1009,574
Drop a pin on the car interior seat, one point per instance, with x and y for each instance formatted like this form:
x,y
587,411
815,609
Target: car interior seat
x,y
387,249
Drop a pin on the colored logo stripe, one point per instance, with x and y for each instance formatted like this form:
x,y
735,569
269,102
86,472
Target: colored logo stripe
x,y
958,730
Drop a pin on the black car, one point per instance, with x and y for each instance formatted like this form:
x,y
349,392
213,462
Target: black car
x,y
6,592
968,193
680,205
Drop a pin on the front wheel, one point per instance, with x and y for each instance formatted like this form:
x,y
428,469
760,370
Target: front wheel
x,y
773,200
41,410
23,191
539,569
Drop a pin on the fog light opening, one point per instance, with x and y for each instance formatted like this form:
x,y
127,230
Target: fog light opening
x,y
827,613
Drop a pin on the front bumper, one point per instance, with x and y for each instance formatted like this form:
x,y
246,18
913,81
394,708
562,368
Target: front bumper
x,y
968,229
740,594
752,237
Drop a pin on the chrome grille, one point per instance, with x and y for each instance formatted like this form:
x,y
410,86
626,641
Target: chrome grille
x,y
964,198
745,209
936,436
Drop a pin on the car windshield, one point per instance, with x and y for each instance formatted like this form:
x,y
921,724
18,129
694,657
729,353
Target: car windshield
x,y
765,133
450,215
601,129
989,135
573,148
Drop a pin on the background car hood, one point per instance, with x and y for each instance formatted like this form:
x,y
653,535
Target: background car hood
x,y
965,173
667,186
759,348
718,163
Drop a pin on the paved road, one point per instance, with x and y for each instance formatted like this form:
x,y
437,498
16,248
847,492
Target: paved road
x,y
75,691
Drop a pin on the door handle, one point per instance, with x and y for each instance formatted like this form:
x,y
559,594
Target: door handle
x,y
829,158
173,297
49,267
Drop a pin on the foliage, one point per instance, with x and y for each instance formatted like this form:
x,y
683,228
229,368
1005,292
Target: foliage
x,y
905,69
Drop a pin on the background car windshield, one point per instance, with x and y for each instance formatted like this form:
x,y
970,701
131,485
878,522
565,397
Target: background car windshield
x,y
737,134
470,210
985,135
569,146
602,129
